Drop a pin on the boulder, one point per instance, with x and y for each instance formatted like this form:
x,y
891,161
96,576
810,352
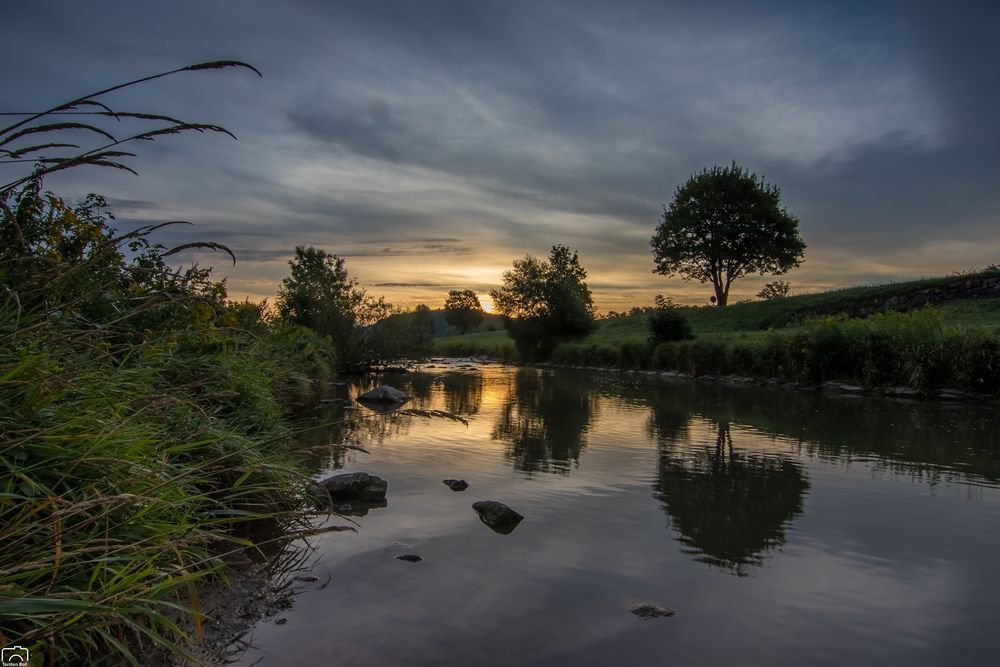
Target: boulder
x,y
356,486
457,484
384,394
497,516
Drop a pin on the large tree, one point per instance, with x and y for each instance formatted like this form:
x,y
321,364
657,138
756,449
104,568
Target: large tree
x,y
319,294
545,302
725,223
462,310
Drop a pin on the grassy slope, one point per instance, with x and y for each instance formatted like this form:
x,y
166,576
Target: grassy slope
x,y
750,320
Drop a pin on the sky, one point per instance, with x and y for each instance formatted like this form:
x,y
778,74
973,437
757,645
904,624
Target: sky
x,y
431,143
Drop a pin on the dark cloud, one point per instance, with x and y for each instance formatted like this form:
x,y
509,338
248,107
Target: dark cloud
x,y
440,129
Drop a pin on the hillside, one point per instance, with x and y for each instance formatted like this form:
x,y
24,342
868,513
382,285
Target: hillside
x,y
442,328
973,298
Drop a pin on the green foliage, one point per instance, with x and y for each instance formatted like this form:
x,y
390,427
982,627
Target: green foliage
x,y
667,323
402,335
924,350
545,302
143,419
255,316
143,422
777,289
423,321
320,295
722,224
495,344
462,310
952,345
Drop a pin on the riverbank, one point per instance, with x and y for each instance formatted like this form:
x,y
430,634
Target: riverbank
x,y
948,350
145,427
129,477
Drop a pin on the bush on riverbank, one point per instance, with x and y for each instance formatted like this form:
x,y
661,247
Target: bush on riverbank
x,y
139,429
921,349
493,344
926,349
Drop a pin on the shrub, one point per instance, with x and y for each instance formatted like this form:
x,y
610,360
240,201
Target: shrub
x,y
668,324
777,289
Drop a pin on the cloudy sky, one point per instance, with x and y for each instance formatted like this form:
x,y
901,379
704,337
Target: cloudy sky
x,y
432,142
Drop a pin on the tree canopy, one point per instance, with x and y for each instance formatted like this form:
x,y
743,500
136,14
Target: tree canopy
x,y
462,310
725,223
545,302
319,294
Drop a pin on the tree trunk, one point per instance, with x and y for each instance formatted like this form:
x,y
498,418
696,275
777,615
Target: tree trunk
x,y
721,295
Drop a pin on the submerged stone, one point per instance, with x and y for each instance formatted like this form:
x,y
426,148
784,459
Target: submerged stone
x,y
647,611
457,484
501,518
410,558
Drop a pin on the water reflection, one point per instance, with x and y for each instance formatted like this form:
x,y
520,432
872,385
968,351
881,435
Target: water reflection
x,y
463,392
729,507
544,421
927,441
903,502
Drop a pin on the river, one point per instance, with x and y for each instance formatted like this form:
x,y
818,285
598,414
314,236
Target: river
x,y
783,527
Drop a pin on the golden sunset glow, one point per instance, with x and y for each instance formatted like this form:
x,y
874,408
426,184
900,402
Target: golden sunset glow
x,y
486,301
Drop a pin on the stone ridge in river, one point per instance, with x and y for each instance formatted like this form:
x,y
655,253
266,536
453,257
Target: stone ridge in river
x,y
647,611
356,486
410,558
501,518
384,394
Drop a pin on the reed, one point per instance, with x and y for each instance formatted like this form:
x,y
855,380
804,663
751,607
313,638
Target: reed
x,y
145,421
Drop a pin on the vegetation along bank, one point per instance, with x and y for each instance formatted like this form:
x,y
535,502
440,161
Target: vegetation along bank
x,y
927,337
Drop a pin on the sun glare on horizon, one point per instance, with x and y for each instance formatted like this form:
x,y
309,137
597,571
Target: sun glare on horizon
x,y
486,302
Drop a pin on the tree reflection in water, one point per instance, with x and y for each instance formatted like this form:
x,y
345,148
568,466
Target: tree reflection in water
x,y
544,421
729,507
463,392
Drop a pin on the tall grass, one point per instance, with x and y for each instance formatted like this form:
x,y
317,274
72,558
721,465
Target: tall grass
x,y
129,458
144,422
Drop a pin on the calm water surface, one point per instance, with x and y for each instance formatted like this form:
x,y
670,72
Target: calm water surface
x,y
784,528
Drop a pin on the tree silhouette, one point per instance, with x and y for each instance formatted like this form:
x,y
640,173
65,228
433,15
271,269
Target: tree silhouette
x,y
545,302
725,223
462,310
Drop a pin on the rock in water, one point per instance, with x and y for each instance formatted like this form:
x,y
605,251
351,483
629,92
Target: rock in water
x,y
410,558
356,486
647,611
497,516
384,394
457,484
